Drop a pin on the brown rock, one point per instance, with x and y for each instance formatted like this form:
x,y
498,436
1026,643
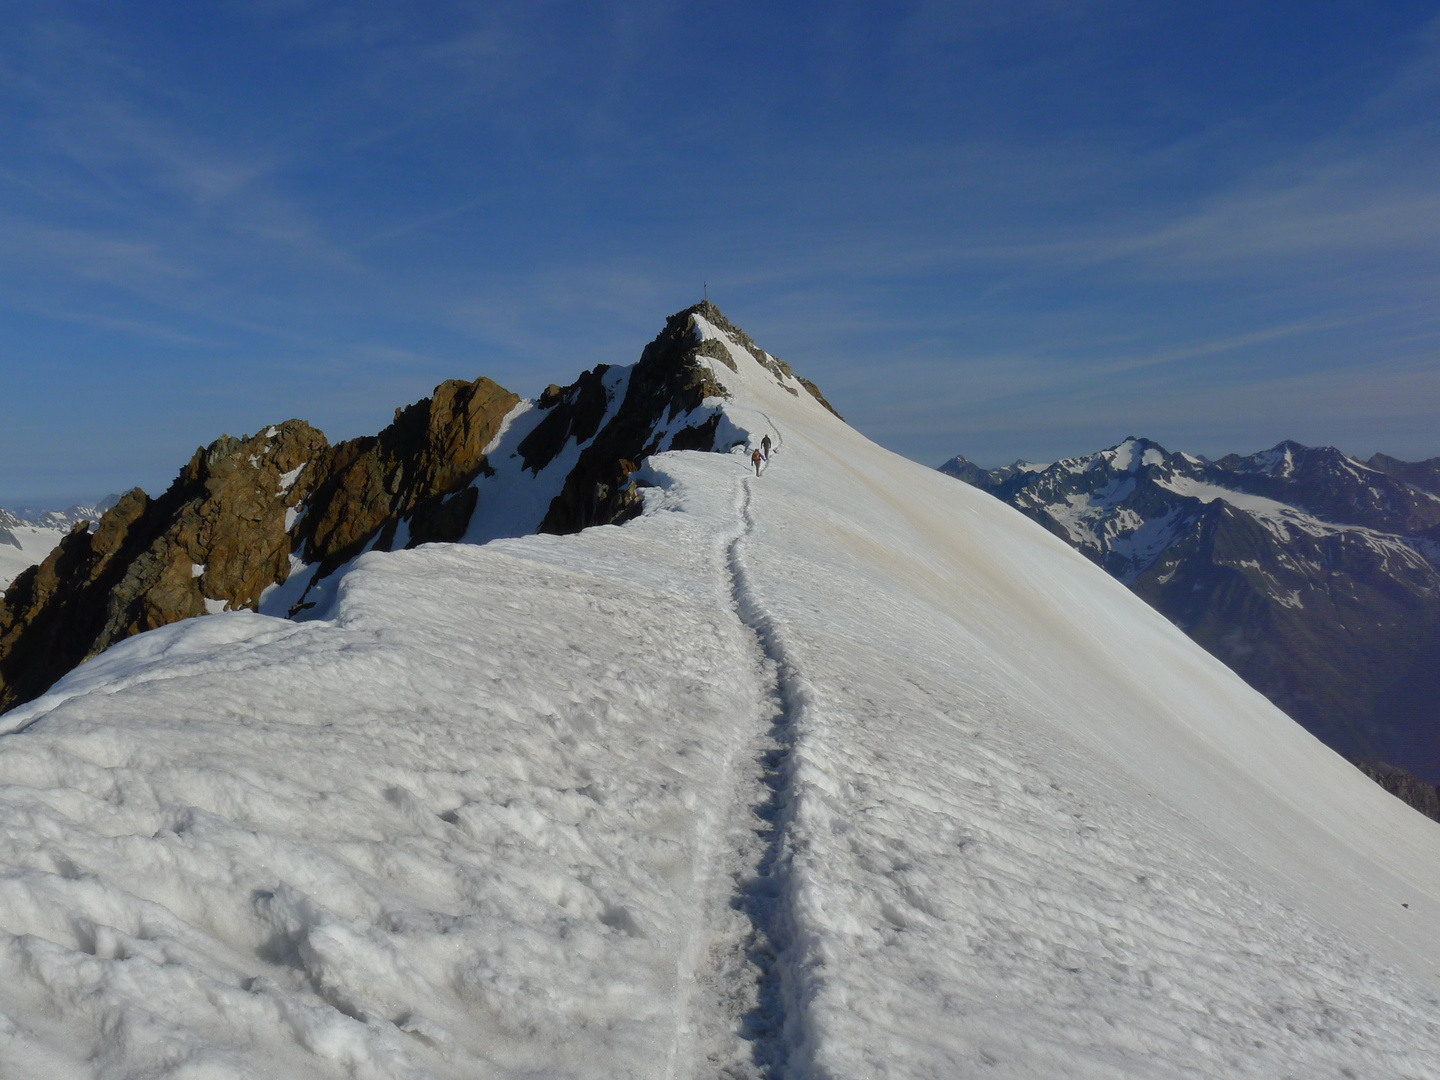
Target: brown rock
x,y
434,448
219,532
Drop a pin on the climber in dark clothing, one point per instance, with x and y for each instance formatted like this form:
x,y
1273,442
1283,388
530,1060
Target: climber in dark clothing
x,y
765,447
755,460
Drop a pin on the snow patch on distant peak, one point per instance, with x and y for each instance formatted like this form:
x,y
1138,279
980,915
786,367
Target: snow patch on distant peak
x,y
1279,518
1081,513
287,480
1123,456
1279,461
1207,492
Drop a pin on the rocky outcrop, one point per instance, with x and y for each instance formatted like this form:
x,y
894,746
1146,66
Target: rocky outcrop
x,y
369,486
814,392
227,527
1421,476
662,408
213,541
1315,577
619,417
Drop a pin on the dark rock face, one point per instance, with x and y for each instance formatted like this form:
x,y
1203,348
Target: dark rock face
x,y
230,525
1314,576
661,407
815,393
572,412
667,382
1419,475
9,521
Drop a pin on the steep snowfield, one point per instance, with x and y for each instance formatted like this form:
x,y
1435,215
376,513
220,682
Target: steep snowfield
x,y
845,771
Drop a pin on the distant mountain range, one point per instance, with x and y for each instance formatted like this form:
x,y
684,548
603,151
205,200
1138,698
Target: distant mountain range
x,y
1315,576
39,518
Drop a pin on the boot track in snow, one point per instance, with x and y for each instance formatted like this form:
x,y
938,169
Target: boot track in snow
x,y
761,885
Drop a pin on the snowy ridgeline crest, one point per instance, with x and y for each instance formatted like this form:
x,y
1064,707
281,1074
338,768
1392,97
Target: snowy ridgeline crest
x,y
1313,575
264,522
832,769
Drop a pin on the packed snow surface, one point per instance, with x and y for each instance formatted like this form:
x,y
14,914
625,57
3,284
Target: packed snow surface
x,y
847,770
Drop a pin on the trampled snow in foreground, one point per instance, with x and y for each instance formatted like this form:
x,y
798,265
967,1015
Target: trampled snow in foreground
x,y
845,771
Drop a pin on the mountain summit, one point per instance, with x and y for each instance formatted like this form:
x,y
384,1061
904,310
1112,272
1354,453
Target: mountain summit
x,y
829,768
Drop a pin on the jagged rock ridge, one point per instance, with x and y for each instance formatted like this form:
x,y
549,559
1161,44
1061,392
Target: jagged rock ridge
x,y
1314,576
271,517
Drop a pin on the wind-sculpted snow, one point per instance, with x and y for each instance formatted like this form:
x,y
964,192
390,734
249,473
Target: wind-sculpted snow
x,y
845,770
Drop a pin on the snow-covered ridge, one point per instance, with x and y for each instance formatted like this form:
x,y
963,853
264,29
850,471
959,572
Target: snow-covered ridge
x,y
839,770
277,518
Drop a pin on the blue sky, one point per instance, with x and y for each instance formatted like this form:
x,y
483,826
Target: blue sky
x,y
1003,230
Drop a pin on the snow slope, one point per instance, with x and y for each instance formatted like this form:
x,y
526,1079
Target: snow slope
x,y
846,770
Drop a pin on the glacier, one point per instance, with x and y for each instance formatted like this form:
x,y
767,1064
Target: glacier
x,y
845,770
22,545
